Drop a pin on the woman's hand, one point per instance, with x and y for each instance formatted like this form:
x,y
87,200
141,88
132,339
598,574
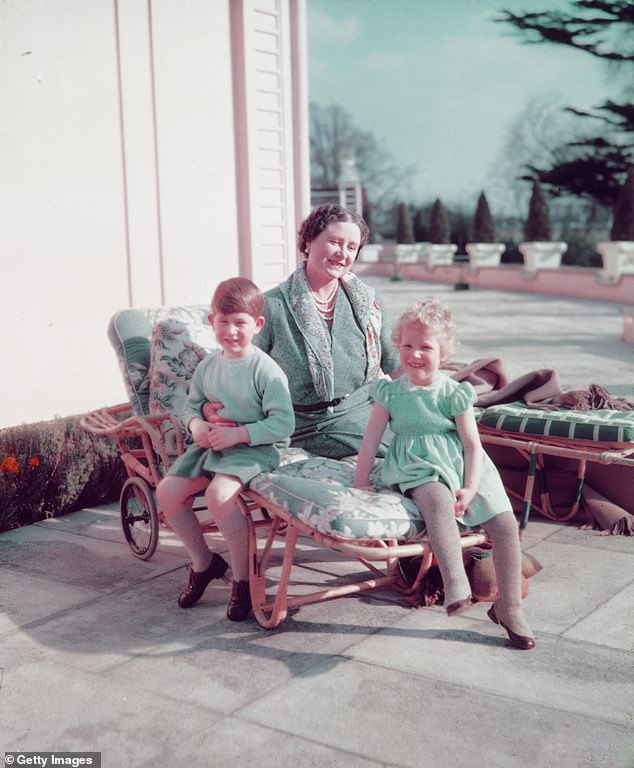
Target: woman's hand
x,y
464,497
365,487
210,412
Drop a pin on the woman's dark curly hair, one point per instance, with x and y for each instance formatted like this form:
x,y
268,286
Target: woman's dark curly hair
x,y
318,219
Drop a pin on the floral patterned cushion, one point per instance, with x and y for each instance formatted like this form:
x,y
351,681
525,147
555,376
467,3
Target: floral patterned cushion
x,y
134,365
129,332
319,492
176,348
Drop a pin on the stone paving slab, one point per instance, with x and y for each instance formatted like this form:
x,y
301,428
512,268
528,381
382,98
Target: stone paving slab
x,y
46,707
26,599
405,719
359,681
235,742
103,523
127,623
577,536
611,625
476,655
574,583
50,553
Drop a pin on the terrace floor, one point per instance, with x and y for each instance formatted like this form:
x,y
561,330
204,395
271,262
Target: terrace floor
x,y
97,656
579,338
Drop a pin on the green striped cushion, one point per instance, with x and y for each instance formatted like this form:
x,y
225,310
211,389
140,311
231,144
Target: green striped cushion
x,y
599,426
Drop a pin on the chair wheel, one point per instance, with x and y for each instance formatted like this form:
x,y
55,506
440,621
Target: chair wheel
x,y
139,517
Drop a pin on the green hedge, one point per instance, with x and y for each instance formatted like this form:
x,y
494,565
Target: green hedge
x,y
55,467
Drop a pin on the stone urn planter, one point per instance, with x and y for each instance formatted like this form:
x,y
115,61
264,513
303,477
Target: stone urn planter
x,y
618,258
483,251
539,250
440,250
370,253
406,253
542,255
439,254
484,254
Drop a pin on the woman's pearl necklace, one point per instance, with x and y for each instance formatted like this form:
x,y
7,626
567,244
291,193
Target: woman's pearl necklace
x,y
328,299
326,307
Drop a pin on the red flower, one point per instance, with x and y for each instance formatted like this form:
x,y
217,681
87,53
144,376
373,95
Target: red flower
x,y
10,465
34,461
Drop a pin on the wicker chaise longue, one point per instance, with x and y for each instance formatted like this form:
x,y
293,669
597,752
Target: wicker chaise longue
x,y
307,496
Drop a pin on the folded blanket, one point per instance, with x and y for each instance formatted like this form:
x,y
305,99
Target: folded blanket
x,y
488,378
538,389
595,397
604,515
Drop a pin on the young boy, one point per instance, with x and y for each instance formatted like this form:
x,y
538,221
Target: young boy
x,y
223,459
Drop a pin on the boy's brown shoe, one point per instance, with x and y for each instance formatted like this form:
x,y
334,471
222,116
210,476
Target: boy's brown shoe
x,y
197,581
239,606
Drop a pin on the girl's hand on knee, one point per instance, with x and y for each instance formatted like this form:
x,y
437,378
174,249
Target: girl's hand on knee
x,y
464,497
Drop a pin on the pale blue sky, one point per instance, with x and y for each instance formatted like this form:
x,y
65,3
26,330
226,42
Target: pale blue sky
x,y
440,82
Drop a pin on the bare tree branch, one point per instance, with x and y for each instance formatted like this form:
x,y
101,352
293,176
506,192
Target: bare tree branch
x,y
605,33
595,158
334,133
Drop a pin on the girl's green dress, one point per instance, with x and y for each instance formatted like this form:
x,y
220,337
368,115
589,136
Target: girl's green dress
x,y
426,446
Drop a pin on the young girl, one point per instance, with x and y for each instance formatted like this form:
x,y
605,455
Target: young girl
x,y
437,458
222,460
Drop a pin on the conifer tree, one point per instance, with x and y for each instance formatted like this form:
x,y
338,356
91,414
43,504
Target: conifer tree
x,y
404,230
483,229
439,224
537,226
623,222
420,226
368,216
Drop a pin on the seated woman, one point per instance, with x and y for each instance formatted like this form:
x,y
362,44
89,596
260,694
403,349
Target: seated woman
x,y
329,333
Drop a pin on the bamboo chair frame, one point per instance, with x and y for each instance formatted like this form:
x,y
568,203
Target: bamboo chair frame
x,y
143,453
271,611
534,448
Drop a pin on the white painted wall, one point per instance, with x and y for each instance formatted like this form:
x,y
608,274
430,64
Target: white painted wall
x,y
122,174
271,102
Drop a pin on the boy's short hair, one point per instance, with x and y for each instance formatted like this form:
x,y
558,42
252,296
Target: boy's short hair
x,y
238,294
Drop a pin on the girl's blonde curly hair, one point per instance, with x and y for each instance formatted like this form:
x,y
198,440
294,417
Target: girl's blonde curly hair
x,y
433,317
